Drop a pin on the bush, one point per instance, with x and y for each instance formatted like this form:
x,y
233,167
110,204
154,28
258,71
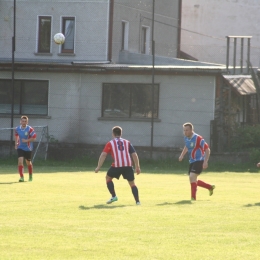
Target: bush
x,y
245,138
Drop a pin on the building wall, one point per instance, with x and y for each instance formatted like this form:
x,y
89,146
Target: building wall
x,y
91,29
138,14
214,20
75,108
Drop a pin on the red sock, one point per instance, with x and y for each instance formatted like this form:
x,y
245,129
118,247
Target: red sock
x,y
193,190
20,169
204,185
30,169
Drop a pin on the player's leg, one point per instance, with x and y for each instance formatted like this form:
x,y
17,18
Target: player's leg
x,y
20,164
30,169
193,185
28,160
134,192
206,186
110,185
129,175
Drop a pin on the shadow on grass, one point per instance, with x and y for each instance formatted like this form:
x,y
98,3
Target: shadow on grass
x,y
252,205
100,206
8,182
181,202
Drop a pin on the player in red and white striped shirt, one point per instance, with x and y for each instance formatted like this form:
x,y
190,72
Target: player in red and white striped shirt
x,y
121,151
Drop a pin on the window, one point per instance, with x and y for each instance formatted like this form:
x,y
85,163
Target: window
x,y
145,35
30,97
44,34
129,100
68,29
125,32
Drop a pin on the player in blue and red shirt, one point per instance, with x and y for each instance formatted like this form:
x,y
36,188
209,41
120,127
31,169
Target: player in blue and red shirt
x,y
121,150
199,153
24,138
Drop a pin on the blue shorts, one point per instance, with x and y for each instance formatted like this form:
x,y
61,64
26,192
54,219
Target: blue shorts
x,y
116,172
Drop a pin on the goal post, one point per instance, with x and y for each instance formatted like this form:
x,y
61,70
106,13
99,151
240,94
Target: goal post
x,y
40,149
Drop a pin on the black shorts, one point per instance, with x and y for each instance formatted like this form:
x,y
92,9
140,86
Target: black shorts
x,y
26,154
127,172
196,167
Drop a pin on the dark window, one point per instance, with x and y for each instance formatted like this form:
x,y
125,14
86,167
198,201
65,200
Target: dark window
x,y
30,97
68,29
144,40
44,36
125,35
129,100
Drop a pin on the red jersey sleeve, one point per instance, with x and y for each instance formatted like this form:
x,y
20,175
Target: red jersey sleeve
x,y
107,148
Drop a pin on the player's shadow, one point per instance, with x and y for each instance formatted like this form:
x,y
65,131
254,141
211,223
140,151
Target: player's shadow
x,y
101,206
252,205
8,182
181,202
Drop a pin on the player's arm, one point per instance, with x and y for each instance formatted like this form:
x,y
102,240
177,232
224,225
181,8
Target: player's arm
x,y
184,151
16,138
207,154
136,162
101,160
32,137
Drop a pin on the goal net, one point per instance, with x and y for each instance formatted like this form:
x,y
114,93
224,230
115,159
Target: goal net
x,y
40,147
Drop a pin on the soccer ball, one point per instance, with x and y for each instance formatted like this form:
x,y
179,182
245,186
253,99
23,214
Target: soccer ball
x,y
59,38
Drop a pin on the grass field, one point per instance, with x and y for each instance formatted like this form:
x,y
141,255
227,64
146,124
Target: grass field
x,y
62,215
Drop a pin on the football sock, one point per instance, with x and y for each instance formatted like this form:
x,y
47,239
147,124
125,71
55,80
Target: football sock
x,y
135,193
110,186
204,185
30,169
193,190
20,169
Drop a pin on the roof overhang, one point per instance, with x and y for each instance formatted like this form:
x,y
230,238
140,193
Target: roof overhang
x,y
82,67
242,84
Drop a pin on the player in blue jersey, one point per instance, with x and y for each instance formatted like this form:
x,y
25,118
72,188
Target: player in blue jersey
x,y
24,138
199,153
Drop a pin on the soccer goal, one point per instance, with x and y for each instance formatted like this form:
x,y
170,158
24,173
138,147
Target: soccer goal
x,y
40,149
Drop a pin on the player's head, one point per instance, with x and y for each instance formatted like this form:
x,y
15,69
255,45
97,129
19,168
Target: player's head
x,y
188,129
24,120
117,131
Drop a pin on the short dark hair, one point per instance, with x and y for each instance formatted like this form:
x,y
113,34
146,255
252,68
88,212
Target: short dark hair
x,y
188,124
24,117
117,130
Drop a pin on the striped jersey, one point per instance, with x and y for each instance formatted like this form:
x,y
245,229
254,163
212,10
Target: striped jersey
x,y
196,147
25,133
120,150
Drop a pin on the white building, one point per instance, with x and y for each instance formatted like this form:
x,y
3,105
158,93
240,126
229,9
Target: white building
x,y
206,23
102,75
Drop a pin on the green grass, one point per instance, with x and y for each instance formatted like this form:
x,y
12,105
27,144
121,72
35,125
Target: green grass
x,y
62,215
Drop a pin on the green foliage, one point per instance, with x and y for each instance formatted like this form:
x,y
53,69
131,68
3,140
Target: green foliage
x,y
246,137
254,156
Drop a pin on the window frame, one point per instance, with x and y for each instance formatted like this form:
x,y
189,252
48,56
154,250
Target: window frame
x,y
130,117
125,35
145,39
39,33
63,21
20,105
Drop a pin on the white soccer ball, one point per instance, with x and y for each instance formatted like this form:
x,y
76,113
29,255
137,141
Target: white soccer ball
x,y
59,38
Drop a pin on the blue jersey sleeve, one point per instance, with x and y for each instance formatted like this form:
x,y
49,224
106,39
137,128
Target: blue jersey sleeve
x,y
131,149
